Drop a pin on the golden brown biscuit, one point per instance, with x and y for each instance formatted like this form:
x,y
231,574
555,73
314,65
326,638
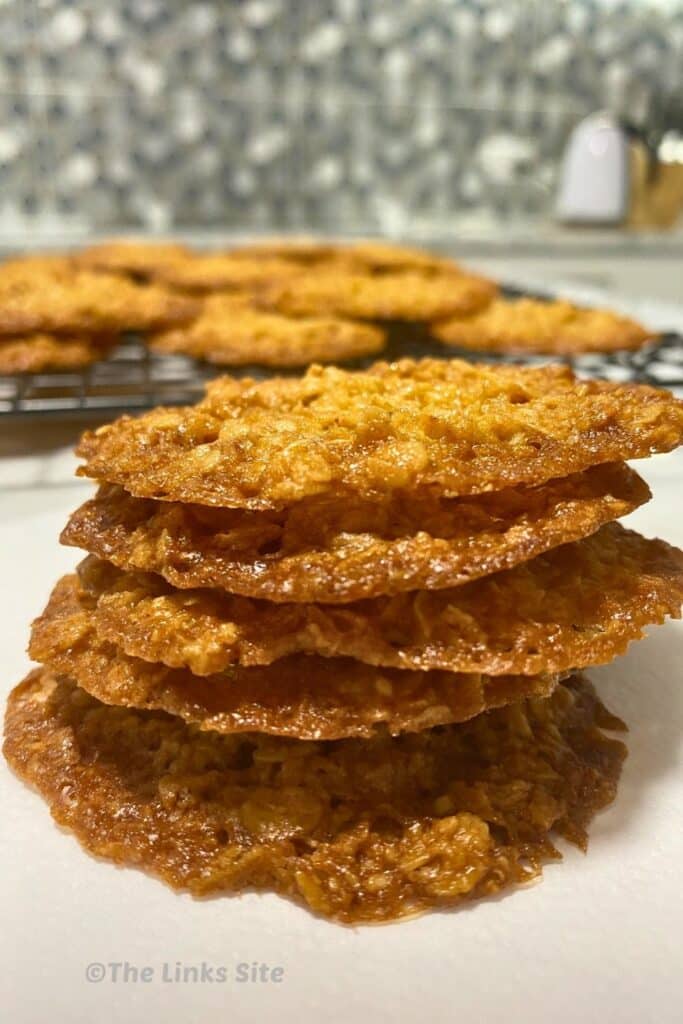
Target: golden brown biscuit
x,y
203,273
359,830
306,697
67,301
230,332
578,605
37,352
337,551
386,256
404,295
298,249
532,325
136,258
372,254
450,426
20,268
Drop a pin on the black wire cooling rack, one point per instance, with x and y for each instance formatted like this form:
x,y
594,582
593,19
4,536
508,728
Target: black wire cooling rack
x,y
132,378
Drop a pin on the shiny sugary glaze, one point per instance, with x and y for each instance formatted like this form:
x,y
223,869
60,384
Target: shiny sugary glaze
x,y
449,426
52,296
532,325
306,697
577,605
338,551
358,831
231,331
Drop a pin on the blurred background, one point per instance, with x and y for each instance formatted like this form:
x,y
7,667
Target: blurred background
x,y
537,141
422,118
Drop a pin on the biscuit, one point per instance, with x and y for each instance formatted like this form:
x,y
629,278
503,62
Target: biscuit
x,y
372,255
231,332
37,352
532,325
386,256
338,551
404,295
580,604
203,273
449,426
139,259
305,251
305,697
22,268
68,301
357,831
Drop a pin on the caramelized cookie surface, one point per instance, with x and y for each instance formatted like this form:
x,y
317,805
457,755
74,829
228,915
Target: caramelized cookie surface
x,y
338,551
532,325
404,295
357,831
306,697
34,353
580,604
231,331
449,427
52,296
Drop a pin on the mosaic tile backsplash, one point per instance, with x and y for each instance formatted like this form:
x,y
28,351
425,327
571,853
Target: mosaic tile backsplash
x,y
404,117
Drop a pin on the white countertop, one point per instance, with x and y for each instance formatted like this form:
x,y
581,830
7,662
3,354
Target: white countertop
x,y
480,233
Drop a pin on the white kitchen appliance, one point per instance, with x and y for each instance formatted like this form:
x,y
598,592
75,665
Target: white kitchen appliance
x,y
593,187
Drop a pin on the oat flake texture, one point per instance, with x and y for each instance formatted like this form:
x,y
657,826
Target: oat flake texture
x,y
357,831
449,426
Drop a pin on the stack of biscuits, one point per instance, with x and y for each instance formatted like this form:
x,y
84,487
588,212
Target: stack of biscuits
x,y
325,638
